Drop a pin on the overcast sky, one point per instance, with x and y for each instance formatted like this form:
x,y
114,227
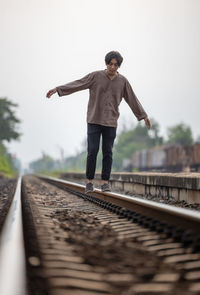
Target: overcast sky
x,y
46,43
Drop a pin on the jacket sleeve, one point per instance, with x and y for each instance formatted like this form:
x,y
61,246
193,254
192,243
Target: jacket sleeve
x,y
81,84
133,102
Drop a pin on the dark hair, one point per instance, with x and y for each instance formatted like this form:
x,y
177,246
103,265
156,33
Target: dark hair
x,y
113,54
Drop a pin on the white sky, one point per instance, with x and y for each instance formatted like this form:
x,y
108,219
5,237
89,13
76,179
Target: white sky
x,y
46,43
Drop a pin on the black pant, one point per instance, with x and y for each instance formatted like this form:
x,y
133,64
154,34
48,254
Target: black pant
x,y
94,133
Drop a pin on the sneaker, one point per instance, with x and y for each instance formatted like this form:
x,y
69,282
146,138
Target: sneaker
x,y
105,187
89,187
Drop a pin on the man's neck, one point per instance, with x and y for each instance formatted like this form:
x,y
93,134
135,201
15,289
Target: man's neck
x,y
111,76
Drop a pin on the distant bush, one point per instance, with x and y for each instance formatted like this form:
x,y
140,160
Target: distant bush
x,y
6,164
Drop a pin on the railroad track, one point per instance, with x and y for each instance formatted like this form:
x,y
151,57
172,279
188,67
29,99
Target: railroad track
x,y
106,243
12,256
7,190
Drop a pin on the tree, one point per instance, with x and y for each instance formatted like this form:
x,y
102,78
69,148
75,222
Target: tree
x,y
135,139
181,134
8,120
45,163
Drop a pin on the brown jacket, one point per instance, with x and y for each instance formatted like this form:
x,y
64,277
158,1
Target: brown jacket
x,y
105,97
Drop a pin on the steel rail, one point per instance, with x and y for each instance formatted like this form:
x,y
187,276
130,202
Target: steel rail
x,y
12,255
186,218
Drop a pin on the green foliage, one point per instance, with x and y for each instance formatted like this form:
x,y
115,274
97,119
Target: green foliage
x,y
8,121
127,142
50,166
6,165
76,163
8,132
46,163
180,134
133,140
154,133
54,173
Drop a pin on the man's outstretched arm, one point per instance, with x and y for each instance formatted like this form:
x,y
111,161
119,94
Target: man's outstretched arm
x,y
74,86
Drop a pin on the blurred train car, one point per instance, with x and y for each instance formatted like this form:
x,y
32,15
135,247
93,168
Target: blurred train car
x,y
167,158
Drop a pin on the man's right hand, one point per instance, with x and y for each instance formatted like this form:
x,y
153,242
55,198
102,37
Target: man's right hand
x,y
51,92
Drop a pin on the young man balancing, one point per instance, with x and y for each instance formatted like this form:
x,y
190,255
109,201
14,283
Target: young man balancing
x,y
107,88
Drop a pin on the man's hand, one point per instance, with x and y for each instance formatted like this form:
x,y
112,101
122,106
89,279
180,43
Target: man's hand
x,y
147,122
51,92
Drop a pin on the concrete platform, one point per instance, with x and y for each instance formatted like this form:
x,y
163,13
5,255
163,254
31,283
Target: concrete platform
x,y
181,186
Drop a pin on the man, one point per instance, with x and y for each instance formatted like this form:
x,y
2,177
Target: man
x,y
107,88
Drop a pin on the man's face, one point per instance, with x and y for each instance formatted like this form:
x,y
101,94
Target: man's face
x,y
112,67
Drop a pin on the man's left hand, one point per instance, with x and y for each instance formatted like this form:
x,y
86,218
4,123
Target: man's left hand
x,y
147,122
